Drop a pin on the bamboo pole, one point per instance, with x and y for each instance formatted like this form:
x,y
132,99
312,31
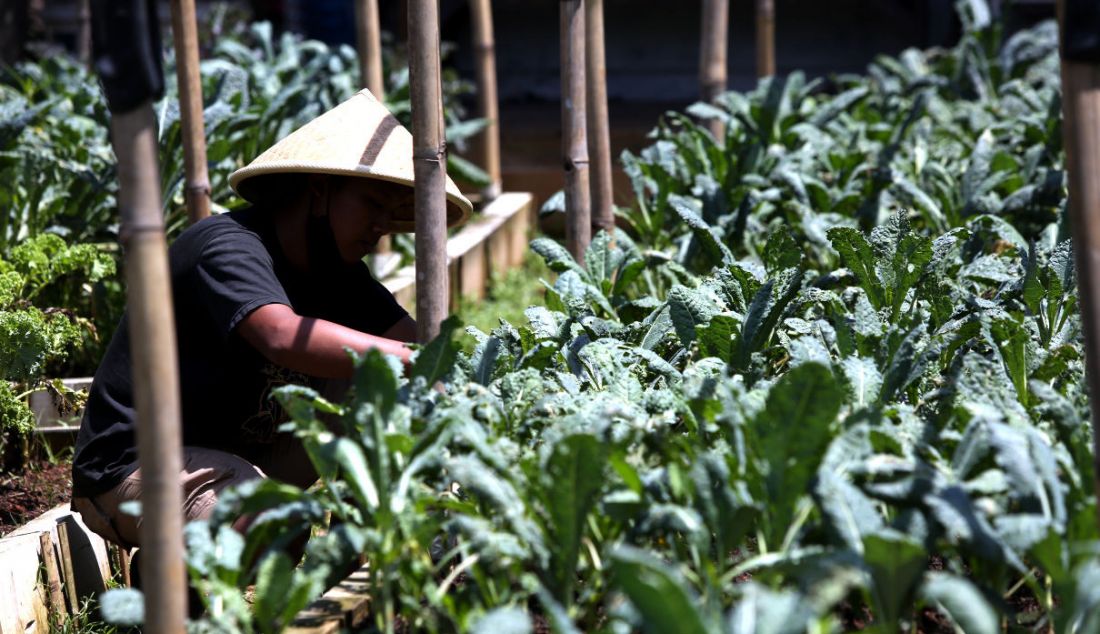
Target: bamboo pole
x,y
712,55
599,127
153,354
84,33
765,38
186,38
53,577
578,205
67,566
481,14
124,565
429,167
1081,133
368,32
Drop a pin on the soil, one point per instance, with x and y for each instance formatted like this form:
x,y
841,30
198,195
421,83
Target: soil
x,y
39,487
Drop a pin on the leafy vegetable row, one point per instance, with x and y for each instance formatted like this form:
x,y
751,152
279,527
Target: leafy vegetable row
x,y
829,372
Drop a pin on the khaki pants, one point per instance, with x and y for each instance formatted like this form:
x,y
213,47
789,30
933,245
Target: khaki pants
x,y
206,473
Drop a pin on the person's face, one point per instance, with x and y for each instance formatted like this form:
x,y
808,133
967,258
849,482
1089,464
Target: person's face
x,y
360,212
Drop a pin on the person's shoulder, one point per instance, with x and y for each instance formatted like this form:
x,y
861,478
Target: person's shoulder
x,y
240,225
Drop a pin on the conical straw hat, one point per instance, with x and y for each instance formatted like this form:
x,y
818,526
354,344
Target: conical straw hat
x,y
359,137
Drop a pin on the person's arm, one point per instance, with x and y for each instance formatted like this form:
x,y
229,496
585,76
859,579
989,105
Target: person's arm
x,y
313,346
404,330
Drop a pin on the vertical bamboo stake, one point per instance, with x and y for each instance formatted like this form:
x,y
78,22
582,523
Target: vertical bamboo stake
x,y
429,167
368,32
1081,133
481,14
712,55
67,565
599,127
124,565
578,206
153,354
765,38
84,33
53,576
197,183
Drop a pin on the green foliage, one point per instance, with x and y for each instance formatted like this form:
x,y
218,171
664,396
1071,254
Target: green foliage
x,y
832,348
37,335
58,166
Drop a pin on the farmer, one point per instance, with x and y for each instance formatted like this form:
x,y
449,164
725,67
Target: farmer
x,y
264,296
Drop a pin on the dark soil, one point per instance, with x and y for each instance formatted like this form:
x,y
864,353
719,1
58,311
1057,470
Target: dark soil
x,y
39,487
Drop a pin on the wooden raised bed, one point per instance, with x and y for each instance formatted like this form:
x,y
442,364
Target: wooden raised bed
x,y
24,600
493,243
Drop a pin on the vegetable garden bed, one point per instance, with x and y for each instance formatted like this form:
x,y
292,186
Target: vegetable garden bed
x,y
829,374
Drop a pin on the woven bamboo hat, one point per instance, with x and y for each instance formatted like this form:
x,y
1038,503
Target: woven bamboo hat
x,y
360,138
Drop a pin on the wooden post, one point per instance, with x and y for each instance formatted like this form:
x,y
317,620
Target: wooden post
x,y
53,577
429,167
84,33
1081,133
197,183
765,38
368,32
481,14
712,55
156,384
599,127
124,565
578,206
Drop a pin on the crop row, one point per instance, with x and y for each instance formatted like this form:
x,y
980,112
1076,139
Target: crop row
x,y
829,372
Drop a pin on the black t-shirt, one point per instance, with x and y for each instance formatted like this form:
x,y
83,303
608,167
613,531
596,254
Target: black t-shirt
x,y
222,268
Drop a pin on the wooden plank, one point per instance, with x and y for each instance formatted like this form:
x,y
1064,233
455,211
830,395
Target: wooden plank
x,y
23,598
49,410
501,234
472,273
53,576
346,606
